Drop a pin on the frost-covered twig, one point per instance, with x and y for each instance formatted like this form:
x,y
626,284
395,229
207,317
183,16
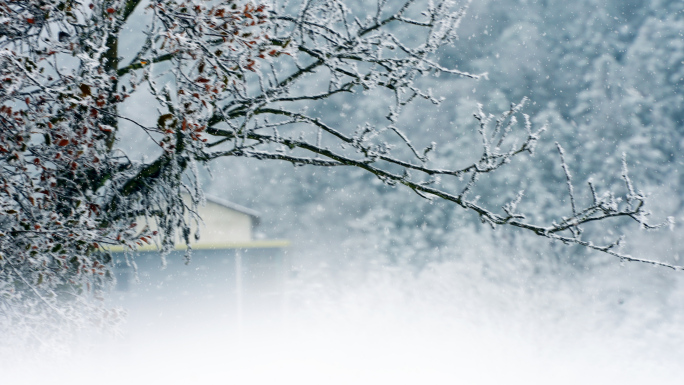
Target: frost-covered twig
x,y
243,79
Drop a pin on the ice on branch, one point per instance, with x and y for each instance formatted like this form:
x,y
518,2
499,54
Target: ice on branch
x,y
234,78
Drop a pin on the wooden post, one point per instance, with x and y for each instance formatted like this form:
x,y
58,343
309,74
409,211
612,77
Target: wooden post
x,y
238,290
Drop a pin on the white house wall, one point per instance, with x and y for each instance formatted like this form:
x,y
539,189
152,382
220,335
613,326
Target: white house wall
x,y
222,225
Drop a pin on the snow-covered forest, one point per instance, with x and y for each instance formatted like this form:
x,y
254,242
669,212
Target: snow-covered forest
x,y
607,76
422,283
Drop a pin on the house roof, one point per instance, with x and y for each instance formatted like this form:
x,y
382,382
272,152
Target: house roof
x,y
258,244
234,206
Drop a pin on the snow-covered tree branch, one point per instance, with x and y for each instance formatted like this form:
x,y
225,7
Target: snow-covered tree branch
x,y
236,78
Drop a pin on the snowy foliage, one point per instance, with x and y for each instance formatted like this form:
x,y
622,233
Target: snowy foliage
x,y
231,79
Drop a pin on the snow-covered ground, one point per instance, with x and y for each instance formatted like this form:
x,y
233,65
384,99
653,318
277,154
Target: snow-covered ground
x,y
448,324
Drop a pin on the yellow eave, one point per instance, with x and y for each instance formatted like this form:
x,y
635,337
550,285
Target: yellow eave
x,y
261,244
